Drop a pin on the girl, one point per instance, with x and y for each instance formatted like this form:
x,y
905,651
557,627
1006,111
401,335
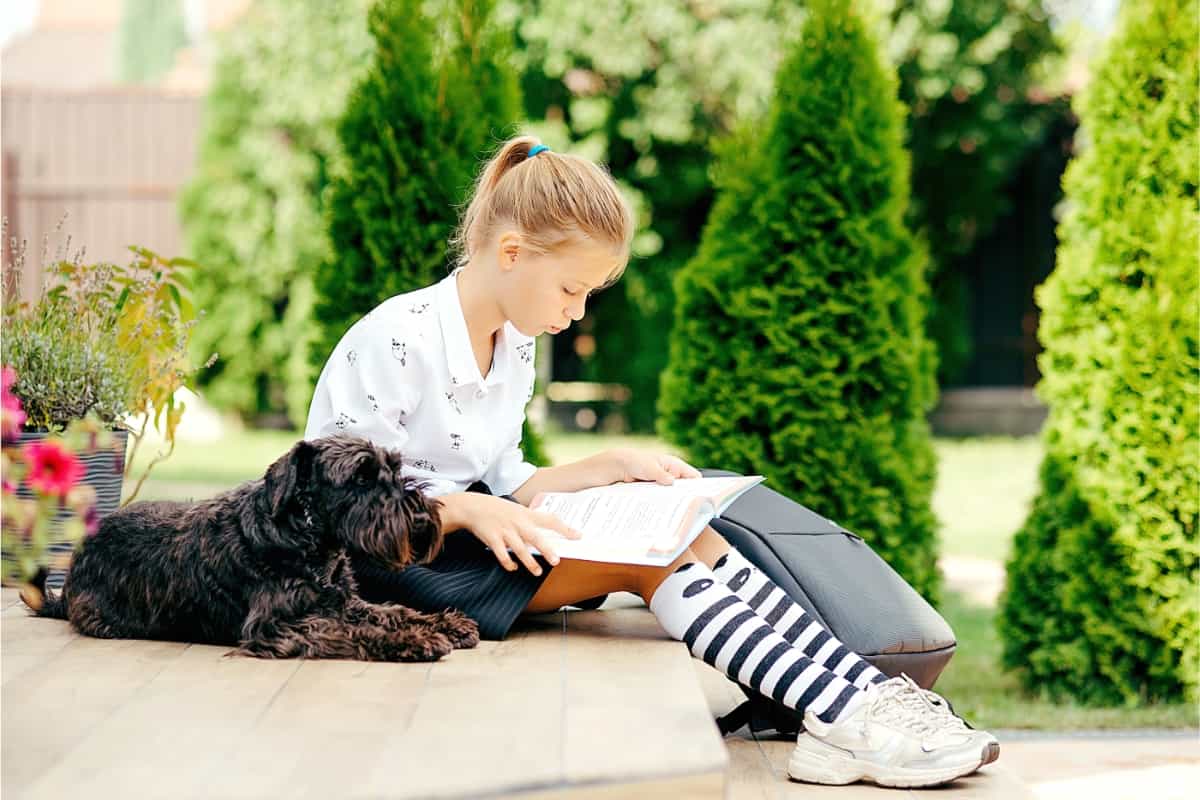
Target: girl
x,y
444,373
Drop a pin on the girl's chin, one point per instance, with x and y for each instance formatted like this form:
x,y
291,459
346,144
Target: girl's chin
x,y
530,332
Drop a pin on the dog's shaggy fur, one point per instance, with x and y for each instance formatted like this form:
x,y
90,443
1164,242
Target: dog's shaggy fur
x,y
265,566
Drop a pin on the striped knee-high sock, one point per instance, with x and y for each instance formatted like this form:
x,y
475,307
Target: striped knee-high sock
x,y
721,630
792,622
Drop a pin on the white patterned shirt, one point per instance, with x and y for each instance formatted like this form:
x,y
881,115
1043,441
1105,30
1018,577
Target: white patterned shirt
x,y
405,377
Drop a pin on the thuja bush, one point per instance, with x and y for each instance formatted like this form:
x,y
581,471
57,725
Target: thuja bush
x,y
439,94
798,350
1100,603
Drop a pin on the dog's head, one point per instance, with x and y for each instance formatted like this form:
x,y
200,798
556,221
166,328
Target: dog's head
x,y
349,492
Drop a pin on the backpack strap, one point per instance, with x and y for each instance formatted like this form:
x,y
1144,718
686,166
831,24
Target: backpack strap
x,y
761,714
735,719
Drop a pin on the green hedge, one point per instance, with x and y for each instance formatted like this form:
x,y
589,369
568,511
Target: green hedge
x,y
253,212
798,350
438,96
1100,603
644,84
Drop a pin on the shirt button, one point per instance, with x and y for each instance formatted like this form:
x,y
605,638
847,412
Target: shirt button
x,y
480,394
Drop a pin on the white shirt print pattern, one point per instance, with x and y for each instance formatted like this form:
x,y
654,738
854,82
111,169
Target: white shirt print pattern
x,y
405,377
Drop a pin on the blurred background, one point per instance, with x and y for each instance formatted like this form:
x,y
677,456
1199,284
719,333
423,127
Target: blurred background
x,y
103,106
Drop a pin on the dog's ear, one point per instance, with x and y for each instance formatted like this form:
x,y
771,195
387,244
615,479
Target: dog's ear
x,y
287,476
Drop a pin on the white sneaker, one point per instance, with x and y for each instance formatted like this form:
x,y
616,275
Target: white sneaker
x,y
940,706
887,741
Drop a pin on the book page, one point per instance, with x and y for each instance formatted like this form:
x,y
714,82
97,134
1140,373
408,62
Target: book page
x,y
631,522
626,519
715,489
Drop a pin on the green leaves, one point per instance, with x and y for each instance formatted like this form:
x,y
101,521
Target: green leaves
x,y
438,96
798,349
1120,373
254,213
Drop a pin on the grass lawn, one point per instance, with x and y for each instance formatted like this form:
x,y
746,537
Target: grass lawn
x,y
991,699
983,493
984,489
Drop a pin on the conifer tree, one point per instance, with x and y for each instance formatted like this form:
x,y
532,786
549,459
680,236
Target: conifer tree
x,y
798,349
438,97
1100,601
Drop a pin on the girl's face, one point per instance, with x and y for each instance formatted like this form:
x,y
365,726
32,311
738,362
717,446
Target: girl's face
x,y
546,293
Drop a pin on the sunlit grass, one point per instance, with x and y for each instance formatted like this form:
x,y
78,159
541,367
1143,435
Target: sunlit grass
x,y
983,493
989,698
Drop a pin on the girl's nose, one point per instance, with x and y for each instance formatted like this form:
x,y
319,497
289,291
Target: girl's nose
x,y
576,310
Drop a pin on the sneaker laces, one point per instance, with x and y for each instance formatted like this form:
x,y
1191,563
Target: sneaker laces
x,y
892,703
942,708
926,703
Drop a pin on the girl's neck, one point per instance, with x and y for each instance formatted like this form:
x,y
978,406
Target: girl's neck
x,y
479,309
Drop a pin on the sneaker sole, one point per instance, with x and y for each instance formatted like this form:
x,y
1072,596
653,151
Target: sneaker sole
x,y
835,768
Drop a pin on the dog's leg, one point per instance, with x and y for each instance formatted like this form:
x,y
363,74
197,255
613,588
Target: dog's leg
x,y
325,637
93,615
461,630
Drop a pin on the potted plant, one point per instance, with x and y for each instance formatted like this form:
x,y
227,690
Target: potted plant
x,y
106,343
54,508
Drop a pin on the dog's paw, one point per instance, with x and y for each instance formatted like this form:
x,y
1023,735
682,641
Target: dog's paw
x,y
461,630
423,645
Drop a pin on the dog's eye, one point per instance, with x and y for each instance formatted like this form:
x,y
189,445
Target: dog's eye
x,y
367,473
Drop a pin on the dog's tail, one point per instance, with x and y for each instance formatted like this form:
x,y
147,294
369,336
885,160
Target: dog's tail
x,y
34,596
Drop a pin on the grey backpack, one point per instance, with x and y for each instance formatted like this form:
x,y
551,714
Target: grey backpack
x,y
838,579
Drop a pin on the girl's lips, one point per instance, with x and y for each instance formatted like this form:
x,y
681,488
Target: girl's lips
x,y
553,329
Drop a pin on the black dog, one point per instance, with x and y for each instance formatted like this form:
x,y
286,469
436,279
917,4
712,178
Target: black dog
x,y
265,566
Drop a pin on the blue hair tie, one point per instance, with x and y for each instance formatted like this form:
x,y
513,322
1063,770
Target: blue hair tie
x,y
533,151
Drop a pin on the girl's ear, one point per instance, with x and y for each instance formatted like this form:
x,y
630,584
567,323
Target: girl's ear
x,y
508,248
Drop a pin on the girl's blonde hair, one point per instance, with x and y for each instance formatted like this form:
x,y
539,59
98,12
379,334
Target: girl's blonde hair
x,y
553,199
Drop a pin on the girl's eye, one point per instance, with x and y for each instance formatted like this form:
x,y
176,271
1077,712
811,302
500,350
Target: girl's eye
x,y
569,292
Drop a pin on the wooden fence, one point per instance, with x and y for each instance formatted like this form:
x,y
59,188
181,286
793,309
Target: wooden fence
x,y
110,161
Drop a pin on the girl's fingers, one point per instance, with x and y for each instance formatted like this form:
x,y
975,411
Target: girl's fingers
x,y
552,522
542,543
681,469
522,552
501,550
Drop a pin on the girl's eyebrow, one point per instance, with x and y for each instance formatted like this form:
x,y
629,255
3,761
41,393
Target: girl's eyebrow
x,y
607,283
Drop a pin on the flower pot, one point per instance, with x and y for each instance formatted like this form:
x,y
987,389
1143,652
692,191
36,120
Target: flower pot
x,y
104,472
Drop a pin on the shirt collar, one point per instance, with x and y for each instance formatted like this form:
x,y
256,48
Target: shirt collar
x,y
460,357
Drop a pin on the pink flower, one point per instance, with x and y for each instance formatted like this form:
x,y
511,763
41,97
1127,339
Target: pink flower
x,y
82,500
52,468
12,416
91,521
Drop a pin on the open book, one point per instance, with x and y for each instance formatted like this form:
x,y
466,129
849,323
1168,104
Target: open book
x,y
641,522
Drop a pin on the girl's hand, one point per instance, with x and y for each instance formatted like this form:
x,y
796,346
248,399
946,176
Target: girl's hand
x,y
639,465
502,524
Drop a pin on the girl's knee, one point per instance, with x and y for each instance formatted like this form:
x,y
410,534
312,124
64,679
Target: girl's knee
x,y
652,577
710,546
